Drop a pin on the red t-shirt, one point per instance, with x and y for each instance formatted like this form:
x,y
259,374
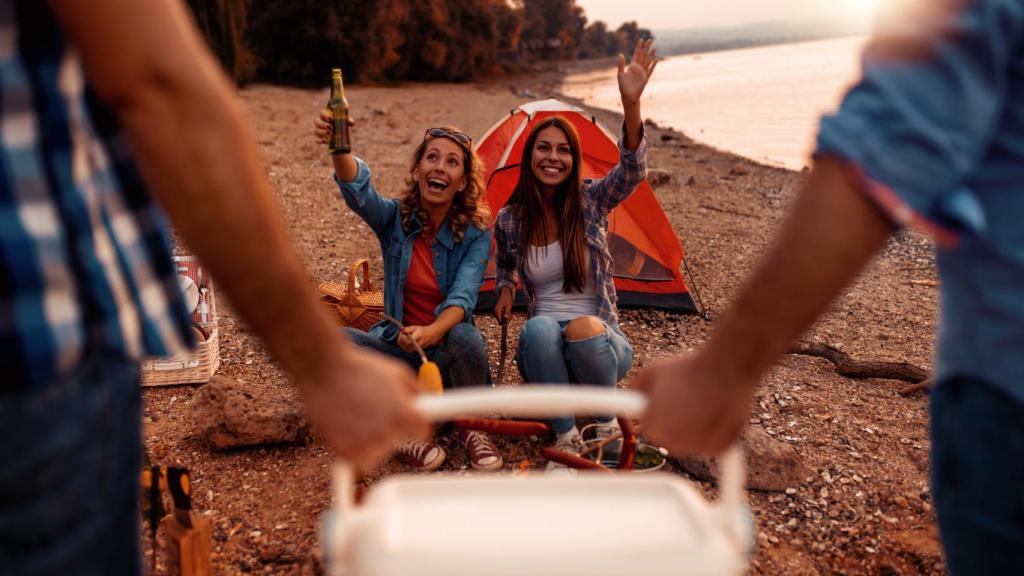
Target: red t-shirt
x,y
422,296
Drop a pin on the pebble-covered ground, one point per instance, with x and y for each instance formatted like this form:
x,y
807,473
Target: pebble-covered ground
x,y
864,506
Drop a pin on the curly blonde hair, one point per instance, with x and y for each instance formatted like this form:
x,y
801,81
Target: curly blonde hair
x,y
469,206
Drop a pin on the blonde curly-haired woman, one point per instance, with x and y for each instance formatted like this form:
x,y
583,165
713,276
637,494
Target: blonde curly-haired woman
x,y
435,240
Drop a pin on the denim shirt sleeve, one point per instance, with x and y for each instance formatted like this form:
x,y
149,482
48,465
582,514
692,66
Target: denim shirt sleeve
x,y
622,180
921,119
506,262
466,287
377,211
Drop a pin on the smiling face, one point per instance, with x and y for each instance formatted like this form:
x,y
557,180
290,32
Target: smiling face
x,y
551,158
440,173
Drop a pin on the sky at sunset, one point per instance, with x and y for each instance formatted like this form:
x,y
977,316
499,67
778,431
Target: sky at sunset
x,y
671,14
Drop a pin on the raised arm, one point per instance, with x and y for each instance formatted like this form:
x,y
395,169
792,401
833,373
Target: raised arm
x,y
353,178
632,81
622,180
193,145
344,164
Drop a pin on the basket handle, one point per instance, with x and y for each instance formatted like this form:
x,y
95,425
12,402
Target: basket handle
x,y
544,401
367,286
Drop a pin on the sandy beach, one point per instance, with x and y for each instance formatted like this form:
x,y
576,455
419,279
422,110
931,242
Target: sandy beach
x,y
863,505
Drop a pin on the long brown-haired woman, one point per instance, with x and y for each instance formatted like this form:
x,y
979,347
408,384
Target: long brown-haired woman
x,y
552,237
435,241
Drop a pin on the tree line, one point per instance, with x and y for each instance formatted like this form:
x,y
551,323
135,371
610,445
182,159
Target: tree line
x,y
299,41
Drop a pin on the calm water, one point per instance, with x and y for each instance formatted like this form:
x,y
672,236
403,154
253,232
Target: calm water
x,y
762,103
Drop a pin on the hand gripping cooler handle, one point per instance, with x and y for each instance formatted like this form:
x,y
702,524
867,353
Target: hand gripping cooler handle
x,y
545,402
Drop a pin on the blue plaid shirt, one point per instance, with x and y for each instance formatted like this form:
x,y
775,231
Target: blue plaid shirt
x,y
934,135
84,251
600,198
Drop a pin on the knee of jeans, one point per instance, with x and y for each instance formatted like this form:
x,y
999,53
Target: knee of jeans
x,y
585,327
625,361
465,338
540,331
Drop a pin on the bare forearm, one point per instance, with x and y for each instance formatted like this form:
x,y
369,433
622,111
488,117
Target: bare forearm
x,y
222,204
633,123
195,149
345,167
448,319
832,233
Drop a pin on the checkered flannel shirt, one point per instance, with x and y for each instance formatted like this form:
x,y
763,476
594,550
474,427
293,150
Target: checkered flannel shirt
x,y
600,197
85,261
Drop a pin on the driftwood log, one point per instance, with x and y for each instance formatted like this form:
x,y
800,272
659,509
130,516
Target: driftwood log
x,y
847,366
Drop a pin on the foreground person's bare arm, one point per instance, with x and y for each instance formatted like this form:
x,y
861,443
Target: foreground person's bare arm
x,y
194,148
699,403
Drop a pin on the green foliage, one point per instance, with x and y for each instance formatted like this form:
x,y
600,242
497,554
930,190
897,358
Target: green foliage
x,y
455,40
223,24
553,28
299,41
628,35
597,41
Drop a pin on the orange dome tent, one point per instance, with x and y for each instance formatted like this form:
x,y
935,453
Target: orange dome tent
x,y
646,251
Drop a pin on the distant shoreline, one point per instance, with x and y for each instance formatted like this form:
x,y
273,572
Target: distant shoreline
x,y
548,84
741,44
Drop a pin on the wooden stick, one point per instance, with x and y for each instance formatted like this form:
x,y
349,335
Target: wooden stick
x,y
847,366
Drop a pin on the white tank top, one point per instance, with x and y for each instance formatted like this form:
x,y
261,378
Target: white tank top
x,y
545,272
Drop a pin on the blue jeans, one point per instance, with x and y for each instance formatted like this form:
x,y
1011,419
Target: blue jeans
x,y
978,476
546,356
461,357
70,456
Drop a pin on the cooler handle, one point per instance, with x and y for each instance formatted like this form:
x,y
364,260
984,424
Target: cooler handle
x,y
543,401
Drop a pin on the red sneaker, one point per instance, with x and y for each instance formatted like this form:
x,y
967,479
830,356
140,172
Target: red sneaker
x,y
421,456
483,454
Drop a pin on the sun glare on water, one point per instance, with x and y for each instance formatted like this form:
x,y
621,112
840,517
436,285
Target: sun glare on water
x,y
863,10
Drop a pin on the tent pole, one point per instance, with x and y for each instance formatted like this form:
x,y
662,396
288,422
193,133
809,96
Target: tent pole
x,y
701,310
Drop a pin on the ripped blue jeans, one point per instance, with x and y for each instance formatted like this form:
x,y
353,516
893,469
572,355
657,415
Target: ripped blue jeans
x,y
546,356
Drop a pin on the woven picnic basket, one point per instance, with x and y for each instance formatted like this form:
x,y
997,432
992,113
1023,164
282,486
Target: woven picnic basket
x,y
356,308
198,365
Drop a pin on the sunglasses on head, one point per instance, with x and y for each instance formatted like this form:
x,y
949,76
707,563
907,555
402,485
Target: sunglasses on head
x,y
446,133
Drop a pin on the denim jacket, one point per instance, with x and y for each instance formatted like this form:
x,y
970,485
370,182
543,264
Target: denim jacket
x,y
935,139
459,266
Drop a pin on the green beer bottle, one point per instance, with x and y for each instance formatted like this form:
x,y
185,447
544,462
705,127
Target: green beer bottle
x,y
340,142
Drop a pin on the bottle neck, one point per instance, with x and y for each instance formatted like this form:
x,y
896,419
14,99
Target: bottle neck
x,y
337,90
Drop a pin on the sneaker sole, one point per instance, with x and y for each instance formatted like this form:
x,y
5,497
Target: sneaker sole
x,y
435,464
498,464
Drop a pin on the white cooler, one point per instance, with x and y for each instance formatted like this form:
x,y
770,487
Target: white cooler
x,y
592,524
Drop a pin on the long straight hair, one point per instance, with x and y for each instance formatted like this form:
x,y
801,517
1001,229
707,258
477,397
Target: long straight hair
x,y
567,201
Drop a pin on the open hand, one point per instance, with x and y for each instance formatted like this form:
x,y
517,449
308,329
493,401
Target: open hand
x,y
633,78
